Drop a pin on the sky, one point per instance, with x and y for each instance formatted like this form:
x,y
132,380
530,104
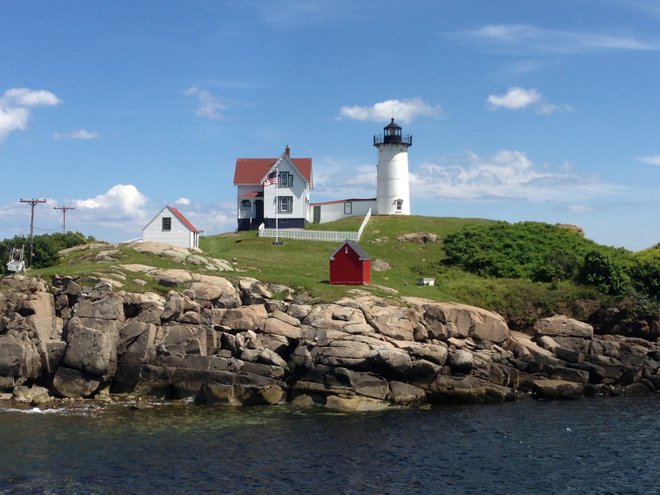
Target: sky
x,y
521,110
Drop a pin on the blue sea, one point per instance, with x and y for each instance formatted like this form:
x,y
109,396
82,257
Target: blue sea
x,y
600,446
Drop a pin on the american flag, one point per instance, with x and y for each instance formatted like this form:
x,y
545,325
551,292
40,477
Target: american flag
x,y
271,178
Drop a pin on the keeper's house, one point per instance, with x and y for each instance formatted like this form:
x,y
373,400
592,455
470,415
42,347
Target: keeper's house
x,y
273,190
172,227
350,265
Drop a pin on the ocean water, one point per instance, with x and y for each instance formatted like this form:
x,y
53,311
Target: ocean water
x,y
600,446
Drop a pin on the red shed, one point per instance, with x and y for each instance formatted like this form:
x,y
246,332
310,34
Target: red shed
x,y
350,265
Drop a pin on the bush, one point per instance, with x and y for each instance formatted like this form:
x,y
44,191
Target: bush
x,y
45,249
603,273
530,250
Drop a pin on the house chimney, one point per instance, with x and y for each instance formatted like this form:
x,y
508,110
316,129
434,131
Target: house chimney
x,y
287,150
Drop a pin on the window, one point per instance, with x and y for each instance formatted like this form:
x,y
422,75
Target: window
x,y
286,179
166,224
348,208
246,204
399,204
285,204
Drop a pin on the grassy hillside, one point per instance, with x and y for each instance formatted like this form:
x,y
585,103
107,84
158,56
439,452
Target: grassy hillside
x,y
305,266
522,270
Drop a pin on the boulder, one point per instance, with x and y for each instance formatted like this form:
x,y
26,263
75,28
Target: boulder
x,y
217,290
460,360
110,307
253,291
563,326
405,394
91,351
366,384
395,322
354,403
418,237
19,359
72,383
557,389
245,317
277,326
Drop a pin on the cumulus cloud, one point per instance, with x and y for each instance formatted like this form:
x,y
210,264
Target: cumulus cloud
x,y
651,160
517,98
330,180
514,99
401,110
15,106
528,39
77,134
182,201
120,201
208,105
504,175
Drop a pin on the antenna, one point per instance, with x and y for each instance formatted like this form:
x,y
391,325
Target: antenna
x,y
32,203
64,210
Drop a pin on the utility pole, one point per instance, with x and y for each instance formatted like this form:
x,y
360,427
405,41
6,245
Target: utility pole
x,y
64,210
32,203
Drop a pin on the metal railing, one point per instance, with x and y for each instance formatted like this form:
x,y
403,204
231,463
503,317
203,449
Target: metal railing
x,y
316,235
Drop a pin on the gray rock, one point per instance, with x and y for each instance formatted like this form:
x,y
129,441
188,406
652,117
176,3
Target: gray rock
x,y
563,326
460,360
366,384
72,383
406,394
245,317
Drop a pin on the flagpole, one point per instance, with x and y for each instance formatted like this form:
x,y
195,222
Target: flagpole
x,y
277,207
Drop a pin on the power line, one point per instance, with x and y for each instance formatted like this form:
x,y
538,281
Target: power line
x,y
64,210
32,203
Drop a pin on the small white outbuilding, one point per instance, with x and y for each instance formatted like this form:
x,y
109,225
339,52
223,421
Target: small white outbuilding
x,y
172,227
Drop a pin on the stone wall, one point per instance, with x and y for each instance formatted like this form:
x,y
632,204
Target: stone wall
x,y
227,343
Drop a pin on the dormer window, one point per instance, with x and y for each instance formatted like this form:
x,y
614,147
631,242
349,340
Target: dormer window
x,y
286,179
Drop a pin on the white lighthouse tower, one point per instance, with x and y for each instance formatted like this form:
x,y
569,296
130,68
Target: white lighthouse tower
x,y
392,189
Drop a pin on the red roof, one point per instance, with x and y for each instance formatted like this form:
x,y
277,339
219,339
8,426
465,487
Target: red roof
x,y
182,219
251,171
252,194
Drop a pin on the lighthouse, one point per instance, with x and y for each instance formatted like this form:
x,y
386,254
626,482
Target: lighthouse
x,y
392,188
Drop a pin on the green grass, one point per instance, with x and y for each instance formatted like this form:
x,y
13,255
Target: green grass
x,y
304,266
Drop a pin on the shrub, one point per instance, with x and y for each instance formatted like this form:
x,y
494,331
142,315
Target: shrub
x,y
603,273
45,248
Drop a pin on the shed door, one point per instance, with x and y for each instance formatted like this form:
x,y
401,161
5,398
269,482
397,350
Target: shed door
x,y
317,215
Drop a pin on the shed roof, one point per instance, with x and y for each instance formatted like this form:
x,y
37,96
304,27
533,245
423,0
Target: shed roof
x,y
362,255
180,216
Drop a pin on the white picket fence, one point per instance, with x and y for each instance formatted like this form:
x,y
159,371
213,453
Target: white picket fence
x,y
316,235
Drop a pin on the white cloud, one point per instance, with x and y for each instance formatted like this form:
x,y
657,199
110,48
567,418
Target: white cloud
x,y
182,201
580,208
517,98
400,110
651,160
15,105
120,201
207,105
514,99
77,134
504,175
330,180
525,39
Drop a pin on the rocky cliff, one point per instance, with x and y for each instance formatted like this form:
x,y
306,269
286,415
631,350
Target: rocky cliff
x,y
219,342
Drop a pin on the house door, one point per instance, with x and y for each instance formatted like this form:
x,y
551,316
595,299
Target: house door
x,y
259,210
